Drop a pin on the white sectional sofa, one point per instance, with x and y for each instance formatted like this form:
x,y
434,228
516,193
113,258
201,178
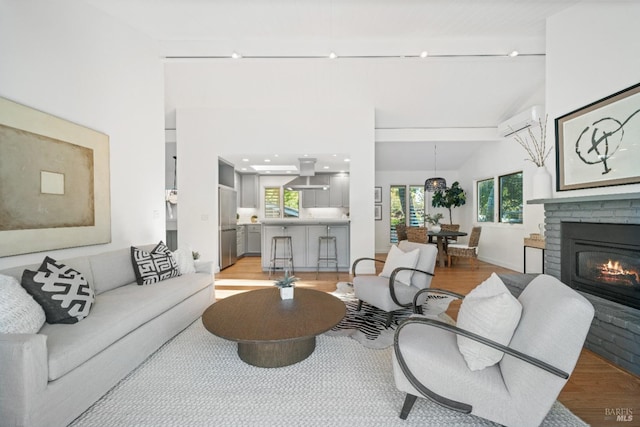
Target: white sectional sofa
x,y
51,377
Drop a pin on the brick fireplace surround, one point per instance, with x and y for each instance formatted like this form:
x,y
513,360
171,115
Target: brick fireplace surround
x,y
615,331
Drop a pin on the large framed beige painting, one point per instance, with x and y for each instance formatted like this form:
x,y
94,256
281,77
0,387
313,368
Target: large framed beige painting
x,y
54,182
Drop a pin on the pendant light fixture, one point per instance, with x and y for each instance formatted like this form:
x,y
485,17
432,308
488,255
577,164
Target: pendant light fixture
x,y
436,183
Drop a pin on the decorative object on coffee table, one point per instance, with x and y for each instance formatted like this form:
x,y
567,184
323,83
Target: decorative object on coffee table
x,y
286,285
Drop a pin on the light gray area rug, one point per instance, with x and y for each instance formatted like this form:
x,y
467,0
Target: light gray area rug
x,y
197,379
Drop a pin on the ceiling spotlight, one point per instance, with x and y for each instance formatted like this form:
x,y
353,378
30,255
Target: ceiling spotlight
x,y
514,53
236,55
267,160
347,159
424,54
333,55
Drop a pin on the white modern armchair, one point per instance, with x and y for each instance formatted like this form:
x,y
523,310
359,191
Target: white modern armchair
x,y
519,389
396,290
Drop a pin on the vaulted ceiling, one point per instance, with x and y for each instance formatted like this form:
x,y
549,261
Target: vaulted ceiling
x,y
470,81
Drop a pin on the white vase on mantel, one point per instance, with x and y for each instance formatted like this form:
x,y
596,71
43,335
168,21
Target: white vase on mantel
x,y
542,183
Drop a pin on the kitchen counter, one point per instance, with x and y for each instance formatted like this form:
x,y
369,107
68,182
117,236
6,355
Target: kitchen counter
x,y
305,221
305,234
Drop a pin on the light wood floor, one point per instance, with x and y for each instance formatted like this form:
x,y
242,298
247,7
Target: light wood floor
x,y
595,389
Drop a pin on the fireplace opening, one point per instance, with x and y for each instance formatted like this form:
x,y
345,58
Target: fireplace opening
x,y
603,260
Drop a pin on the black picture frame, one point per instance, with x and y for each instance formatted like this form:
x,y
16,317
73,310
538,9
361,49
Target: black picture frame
x,y
597,145
377,194
377,212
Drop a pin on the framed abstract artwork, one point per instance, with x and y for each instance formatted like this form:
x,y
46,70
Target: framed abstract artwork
x,y
598,145
55,190
377,213
377,194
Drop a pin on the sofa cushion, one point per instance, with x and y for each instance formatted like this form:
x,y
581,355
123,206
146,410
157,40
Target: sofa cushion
x,y
154,266
19,312
184,259
399,258
426,262
115,314
113,269
63,292
492,312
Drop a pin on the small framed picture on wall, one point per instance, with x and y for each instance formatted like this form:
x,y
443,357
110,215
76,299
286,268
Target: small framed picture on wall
x,y
377,212
377,194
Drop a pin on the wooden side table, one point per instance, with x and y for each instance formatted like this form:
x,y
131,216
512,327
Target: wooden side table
x,y
533,243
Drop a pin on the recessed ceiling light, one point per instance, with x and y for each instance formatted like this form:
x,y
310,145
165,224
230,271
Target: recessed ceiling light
x,y
244,169
333,55
347,160
514,53
325,167
278,168
424,54
236,55
267,160
245,160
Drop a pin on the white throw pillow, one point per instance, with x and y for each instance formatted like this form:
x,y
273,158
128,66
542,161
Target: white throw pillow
x,y
184,259
19,312
491,312
397,258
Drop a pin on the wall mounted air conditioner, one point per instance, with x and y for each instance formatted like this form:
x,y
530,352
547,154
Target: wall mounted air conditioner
x,y
521,121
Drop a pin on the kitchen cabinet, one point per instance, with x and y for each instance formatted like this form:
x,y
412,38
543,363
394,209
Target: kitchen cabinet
x,y
254,239
339,191
315,198
340,232
305,235
249,191
241,239
337,196
298,241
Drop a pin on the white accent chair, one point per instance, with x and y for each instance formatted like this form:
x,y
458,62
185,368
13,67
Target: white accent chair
x,y
521,388
386,293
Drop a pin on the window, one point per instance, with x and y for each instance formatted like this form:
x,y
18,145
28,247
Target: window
x,y
397,206
405,210
416,205
511,198
272,202
289,205
485,208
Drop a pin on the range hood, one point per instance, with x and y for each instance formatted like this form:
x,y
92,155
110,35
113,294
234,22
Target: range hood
x,y
316,182
308,180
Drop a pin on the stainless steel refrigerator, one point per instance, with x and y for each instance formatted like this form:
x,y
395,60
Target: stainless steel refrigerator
x,y
227,208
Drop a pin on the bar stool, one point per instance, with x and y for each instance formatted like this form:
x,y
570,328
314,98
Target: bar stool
x,y
285,245
328,241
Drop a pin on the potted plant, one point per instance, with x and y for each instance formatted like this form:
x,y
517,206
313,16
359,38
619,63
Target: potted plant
x,y
286,285
434,220
449,198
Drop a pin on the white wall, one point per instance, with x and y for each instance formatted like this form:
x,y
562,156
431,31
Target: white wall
x,y
204,134
586,63
75,62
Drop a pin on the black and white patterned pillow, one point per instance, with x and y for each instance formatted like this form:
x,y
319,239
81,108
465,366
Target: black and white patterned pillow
x,y
155,266
63,292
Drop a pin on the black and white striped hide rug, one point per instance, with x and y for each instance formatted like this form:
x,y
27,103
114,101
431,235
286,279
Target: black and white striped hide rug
x,y
367,326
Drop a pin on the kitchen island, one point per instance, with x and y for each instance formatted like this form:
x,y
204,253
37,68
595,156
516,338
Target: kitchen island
x,y
305,234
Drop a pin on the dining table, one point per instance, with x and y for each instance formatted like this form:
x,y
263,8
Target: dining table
x,y
442,241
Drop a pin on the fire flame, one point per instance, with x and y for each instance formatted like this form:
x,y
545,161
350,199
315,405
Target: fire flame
x,y
614,268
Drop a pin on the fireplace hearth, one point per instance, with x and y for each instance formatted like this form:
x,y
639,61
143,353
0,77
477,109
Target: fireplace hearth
x,y
615,331
603,260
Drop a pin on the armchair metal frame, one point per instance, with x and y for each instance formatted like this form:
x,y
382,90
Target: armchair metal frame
x,y
392,291
441,400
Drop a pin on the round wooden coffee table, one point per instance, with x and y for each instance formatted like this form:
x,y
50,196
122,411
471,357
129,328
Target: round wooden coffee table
x,y
272,332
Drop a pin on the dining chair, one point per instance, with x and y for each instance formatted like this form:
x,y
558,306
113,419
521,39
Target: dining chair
x,y
470,250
